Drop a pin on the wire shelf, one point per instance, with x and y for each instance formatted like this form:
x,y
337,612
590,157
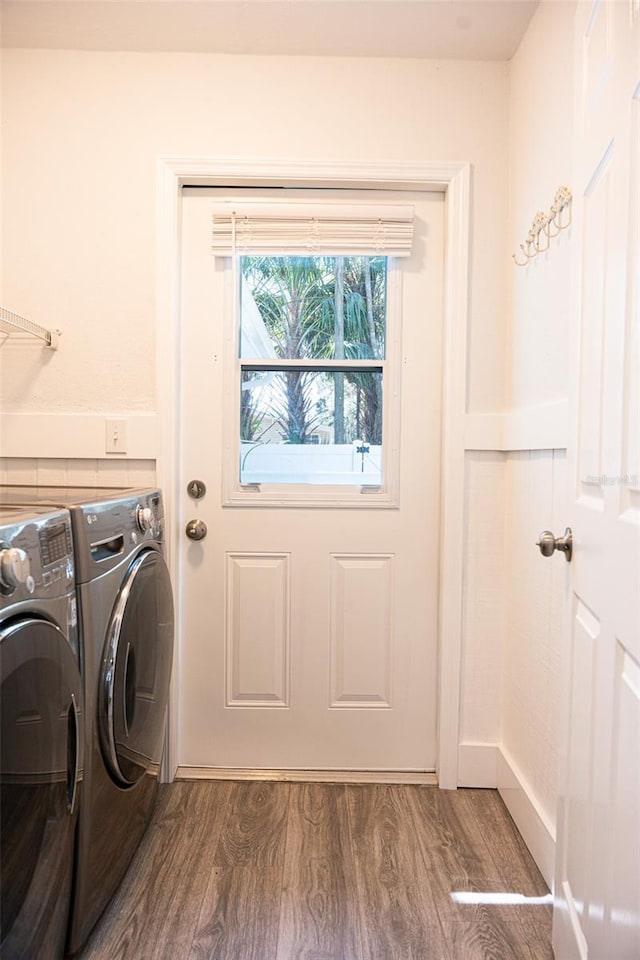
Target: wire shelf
x,y
14,322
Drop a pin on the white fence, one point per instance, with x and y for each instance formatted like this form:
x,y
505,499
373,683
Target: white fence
x,y
349,463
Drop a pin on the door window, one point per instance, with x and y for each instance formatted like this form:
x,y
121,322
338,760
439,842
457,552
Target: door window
x,y
311,358
313,379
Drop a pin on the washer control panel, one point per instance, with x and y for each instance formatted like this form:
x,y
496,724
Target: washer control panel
x,y
145,519
15,569
106,528
36,554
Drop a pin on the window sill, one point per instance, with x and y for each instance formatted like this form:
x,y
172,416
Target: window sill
x,y
325,497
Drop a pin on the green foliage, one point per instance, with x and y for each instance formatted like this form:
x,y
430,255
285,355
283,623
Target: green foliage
x,y
296,297
251,416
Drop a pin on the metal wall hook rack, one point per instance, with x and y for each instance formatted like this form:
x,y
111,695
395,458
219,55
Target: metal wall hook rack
x,y
14,323
546,226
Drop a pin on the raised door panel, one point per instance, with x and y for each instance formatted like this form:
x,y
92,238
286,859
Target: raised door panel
x,y
596,207
257,630
581,761
622,932
361,630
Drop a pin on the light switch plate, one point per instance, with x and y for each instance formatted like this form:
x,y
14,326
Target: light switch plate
x,y
115,436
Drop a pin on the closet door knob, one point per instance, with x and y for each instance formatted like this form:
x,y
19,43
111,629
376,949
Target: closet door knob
x,y
548,543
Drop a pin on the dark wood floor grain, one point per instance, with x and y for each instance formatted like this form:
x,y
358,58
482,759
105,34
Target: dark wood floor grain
x,y
279,871
318,910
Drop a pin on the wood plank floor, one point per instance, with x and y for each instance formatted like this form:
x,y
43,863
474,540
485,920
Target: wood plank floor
x,y
305,871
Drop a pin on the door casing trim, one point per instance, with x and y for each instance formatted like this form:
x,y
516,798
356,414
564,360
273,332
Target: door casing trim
x,y
454,179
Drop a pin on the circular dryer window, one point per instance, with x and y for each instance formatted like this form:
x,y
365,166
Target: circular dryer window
x,y
136,668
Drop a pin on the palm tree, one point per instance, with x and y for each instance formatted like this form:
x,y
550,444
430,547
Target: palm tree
x,y
250,417
291,295
320,308
366,286
338,382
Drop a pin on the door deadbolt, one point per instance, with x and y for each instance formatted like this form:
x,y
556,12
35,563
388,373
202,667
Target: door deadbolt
x,y
548,544
196,489
196,530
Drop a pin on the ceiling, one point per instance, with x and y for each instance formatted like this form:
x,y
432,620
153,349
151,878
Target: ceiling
x,y
434,29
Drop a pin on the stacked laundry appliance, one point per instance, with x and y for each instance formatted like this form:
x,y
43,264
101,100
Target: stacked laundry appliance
x,y
41,730
126,649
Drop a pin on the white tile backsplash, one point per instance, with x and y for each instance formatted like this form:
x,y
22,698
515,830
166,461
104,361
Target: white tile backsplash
x,y
78,472
82,473
20,471
51,473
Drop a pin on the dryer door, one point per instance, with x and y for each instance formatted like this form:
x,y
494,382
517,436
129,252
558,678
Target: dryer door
x,y
41,754
136,669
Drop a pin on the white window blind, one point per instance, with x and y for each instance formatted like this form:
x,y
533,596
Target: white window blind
x,y
293,228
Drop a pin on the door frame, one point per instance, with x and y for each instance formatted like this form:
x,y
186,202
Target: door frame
x,y
452,178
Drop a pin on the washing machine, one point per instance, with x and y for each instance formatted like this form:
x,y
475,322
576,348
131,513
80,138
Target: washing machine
x,y
126,651
41,731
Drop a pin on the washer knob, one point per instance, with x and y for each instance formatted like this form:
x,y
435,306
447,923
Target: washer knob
x,y
144,518
15,568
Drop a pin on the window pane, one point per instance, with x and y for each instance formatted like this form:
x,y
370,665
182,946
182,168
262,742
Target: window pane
x,y
300,426
299,308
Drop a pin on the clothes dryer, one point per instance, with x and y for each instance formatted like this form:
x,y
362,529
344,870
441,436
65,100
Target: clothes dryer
x,y
41,731
126,616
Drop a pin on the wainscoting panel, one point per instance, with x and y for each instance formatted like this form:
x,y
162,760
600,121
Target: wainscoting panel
x,y
77,472
484,600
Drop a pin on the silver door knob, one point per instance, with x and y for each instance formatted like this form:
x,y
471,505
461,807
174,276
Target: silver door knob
x,y
196,530
549,544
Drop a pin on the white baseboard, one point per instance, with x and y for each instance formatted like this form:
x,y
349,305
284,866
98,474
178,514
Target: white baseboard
x,y
307,776
535,827
489,765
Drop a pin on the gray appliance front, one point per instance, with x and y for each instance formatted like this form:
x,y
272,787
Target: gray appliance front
x,y
127,627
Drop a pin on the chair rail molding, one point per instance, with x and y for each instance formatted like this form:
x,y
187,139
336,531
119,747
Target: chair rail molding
x,y
541,426
75,435
451,177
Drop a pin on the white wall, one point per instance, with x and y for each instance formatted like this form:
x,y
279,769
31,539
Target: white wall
x,y
536,590
82,131
540,161
1,146
522,491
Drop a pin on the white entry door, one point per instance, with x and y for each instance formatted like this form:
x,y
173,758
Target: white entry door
x,y
309,628
597,889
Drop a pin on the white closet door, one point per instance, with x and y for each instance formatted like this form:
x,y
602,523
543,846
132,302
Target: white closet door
x,y
597,895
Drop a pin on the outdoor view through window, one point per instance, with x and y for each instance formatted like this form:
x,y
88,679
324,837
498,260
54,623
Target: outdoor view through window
x,y
312,352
